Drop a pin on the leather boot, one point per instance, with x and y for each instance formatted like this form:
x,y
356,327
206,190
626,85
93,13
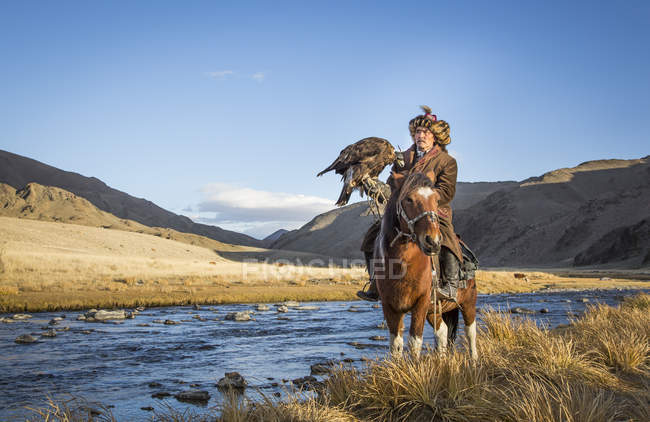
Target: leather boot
x,y
371,295
450,268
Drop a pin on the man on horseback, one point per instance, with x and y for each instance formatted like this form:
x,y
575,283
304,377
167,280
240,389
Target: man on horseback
x,y
428,155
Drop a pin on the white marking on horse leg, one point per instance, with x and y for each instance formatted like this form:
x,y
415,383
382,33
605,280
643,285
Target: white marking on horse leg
x,y
415,346
441,336
470,333
424,191
396,345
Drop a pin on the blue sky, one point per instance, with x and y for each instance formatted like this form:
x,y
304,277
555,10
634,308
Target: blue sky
x,y
225,111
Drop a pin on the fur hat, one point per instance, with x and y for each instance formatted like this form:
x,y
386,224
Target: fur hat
x,y
439,128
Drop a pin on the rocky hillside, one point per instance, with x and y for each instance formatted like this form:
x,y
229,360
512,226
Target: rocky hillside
x,y
17,171
47,203
567,216
468,194
338,232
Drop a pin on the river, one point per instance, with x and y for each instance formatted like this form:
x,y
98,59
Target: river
x,y
115,363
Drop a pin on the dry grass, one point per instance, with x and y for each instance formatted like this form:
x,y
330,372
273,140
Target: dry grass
x,y
48,266
72,410
524,373
499,281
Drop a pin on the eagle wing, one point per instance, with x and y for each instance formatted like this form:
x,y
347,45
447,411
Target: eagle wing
x,y
364,159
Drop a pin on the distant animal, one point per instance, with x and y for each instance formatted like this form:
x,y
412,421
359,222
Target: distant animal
x,y
360,163
405,250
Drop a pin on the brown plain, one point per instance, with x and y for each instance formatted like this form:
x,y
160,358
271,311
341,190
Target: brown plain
x,y
48,265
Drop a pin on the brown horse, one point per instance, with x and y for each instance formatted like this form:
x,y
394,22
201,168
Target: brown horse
x,y
404,252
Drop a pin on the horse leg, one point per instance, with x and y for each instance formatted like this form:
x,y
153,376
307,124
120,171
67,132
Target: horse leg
x,y
451,320
440,328
441,337
395,322
469,316
418,316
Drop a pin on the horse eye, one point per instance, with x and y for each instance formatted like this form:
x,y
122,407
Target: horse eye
x,y
409,200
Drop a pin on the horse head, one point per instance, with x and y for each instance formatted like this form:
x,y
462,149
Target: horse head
x,y
417,205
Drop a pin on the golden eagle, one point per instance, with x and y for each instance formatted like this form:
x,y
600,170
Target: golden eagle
x,y
359,165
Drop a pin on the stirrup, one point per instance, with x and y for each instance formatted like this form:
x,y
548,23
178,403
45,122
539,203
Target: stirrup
x,y
441,295
363,294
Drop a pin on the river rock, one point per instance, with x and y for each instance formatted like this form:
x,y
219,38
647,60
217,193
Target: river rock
x,y
584,300
147,408
323,367
307,308
160,395
49,333
53,321
25,339
544,311
284,318
376,306
238,316
378,338
193,396
81,318
19,317
283,309
196,307
7,320
262,307
66,328
171,322
520,310
291,303
103,315
307,381
232,380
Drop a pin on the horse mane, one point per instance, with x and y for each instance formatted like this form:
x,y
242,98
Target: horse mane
x,y
413,181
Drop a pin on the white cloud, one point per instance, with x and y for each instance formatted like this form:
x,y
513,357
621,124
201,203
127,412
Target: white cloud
x,y
220,74
229,203
259,76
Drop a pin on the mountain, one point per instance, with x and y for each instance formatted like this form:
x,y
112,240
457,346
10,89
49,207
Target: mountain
x,y
47,203
17,171
268,240
591,214
338,232
564,217
470,193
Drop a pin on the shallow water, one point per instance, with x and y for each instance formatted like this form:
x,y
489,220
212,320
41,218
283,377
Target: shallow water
x,y
115,364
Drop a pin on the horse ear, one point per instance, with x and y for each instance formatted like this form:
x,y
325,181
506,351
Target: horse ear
x,y
397,181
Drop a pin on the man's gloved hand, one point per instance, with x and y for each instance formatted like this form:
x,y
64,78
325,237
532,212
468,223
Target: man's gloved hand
x,y
376,189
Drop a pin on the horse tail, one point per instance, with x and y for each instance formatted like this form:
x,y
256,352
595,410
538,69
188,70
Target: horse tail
x,y
451,320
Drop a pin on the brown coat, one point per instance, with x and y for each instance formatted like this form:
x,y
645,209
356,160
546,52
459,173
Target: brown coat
x,y
443,170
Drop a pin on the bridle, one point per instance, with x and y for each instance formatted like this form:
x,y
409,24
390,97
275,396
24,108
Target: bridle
x,y
410,223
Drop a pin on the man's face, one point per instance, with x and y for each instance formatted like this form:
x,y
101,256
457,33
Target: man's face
x,y
424,139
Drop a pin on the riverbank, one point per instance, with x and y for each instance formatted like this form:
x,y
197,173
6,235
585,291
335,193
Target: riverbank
x,y
264,283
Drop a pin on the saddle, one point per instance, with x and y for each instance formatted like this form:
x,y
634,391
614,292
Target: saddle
x,y
467,268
